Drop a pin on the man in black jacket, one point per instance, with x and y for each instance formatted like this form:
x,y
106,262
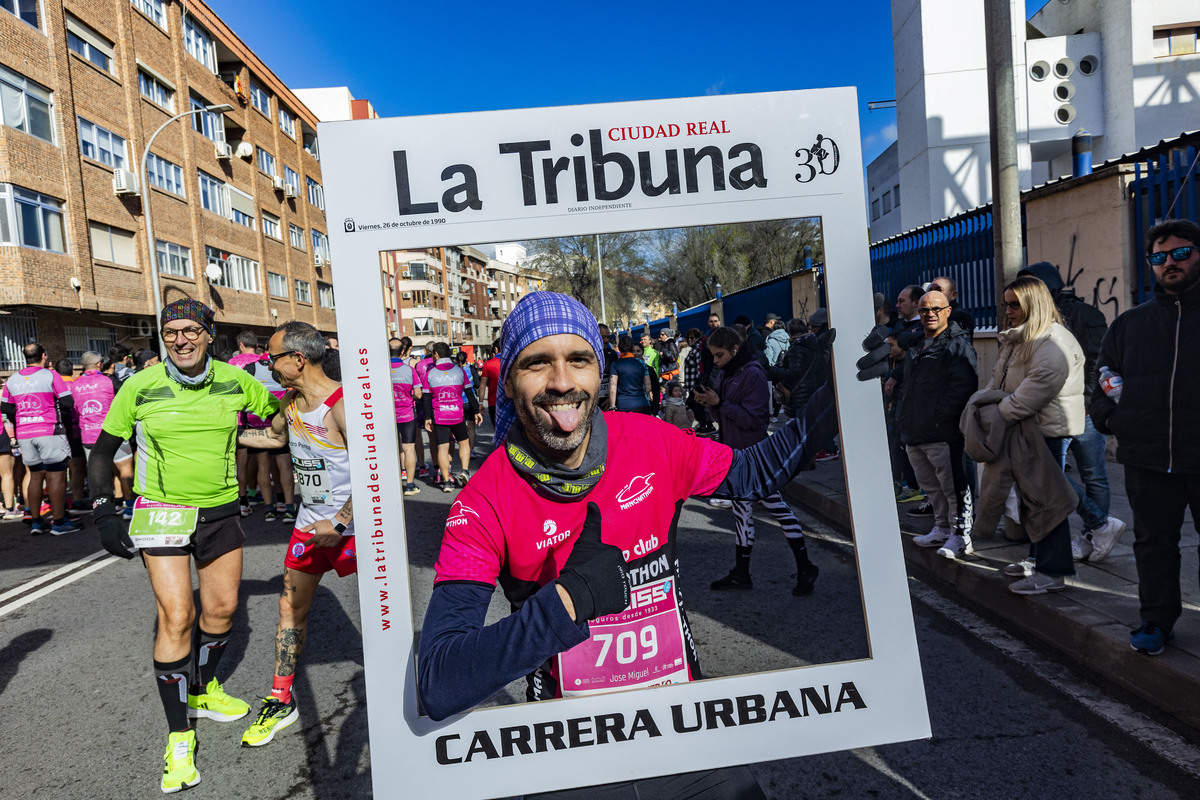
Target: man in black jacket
x,y
940,376
1087,324
1153,351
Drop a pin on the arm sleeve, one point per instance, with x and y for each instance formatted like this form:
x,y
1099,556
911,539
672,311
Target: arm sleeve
x,y
462,662
100,464
472,401
66,409
759,471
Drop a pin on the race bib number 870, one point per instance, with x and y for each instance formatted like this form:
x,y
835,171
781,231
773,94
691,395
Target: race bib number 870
x,y
312,480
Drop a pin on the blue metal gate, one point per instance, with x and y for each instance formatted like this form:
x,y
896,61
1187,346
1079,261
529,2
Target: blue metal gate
x,y
1161,189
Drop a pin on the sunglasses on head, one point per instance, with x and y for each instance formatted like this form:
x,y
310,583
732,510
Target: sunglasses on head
x,y
1178,254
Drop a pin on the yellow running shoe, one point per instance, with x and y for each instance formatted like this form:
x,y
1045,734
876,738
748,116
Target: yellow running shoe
x,y
274,717
217,705
180,770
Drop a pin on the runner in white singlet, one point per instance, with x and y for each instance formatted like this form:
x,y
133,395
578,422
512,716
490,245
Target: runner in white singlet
x,y
312,425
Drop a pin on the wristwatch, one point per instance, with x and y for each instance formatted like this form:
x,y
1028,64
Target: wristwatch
x,y
340,527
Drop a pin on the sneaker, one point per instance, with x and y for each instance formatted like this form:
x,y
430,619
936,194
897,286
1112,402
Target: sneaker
x,y
26,517
215,704
1104,537
1081,546
289,513
910,496
180,770
447,487
46,509
271,515
422,471
717,502
13,513
1037,583
66,526
828,455
733,580
37,529
411,489
935,538
956,546
923,510
1150,638
255,498
272,718
1019,569
280,508
805,580
244,506
462,477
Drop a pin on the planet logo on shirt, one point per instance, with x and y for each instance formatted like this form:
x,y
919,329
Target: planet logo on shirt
x,y
635,491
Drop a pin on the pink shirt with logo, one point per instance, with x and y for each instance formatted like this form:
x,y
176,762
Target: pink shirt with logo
x,y
446,381
402,390
34,391
501,529
93,392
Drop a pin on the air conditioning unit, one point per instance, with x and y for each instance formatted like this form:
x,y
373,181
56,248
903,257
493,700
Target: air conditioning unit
x,y
224,151
406,295
144,328
124,182
290,190
404,274
278,183
318,259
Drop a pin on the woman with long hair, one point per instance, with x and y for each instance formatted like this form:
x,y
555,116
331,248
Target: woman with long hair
x,y
1041,368
742,406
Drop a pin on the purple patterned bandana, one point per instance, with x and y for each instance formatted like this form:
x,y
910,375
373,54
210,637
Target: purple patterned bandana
x,y
191,309
536,316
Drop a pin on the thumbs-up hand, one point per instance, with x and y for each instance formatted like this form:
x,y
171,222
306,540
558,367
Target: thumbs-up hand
x,y
595,575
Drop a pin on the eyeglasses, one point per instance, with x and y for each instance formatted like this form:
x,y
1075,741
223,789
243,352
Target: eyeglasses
x,y
1179,254
191,334
935,310
271,359
1015,305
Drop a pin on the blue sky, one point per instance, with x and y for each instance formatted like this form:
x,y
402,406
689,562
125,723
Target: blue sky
x,y
439,57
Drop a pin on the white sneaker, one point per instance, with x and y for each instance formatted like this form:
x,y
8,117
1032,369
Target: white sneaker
x,y
1037,583
1104,537
935,538
1081,546
717,502
956,547
1019,569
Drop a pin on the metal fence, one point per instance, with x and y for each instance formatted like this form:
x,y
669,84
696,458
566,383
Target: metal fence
x,y
1164,186
959,247
16,330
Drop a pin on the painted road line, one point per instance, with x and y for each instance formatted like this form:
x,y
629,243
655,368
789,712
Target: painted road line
x,y
45,590
49,576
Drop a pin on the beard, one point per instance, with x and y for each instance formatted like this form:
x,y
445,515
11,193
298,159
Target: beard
x,y
541,429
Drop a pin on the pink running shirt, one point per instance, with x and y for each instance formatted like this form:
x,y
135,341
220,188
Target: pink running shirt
x,y
34,391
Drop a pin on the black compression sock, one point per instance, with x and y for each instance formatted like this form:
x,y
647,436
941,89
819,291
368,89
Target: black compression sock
x,y
173,679
209,649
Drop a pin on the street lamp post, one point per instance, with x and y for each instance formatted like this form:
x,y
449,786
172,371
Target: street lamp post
x,y
600,267
145,186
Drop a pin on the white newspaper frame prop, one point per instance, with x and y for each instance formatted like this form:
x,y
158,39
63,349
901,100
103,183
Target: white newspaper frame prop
x,y
431,181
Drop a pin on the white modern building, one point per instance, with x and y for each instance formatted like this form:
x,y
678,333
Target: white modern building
x,y
1126,71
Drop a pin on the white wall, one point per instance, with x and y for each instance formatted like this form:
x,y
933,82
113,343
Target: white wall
x,y
330,104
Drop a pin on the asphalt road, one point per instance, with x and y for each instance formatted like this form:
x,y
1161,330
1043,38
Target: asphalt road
x,y
82,716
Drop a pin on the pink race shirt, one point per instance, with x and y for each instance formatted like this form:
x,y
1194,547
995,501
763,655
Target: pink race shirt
x,y
242,359
93,392
263,374
446,381
402,390
501,529
421,371
34,391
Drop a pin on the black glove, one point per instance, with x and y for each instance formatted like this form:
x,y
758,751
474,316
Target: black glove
x,y
112,532
595,574
874,364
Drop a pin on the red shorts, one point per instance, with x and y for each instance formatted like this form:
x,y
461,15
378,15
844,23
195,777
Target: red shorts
x,y
319,560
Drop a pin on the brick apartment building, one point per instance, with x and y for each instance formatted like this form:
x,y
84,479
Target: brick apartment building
x,y
236,198
454,294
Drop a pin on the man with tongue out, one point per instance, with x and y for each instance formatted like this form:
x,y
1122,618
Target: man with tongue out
x,y
575,509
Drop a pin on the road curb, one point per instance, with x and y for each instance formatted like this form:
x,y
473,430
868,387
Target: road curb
x,y
1094,641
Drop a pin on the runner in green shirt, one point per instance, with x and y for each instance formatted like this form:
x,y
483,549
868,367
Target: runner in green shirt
x,y
184,411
